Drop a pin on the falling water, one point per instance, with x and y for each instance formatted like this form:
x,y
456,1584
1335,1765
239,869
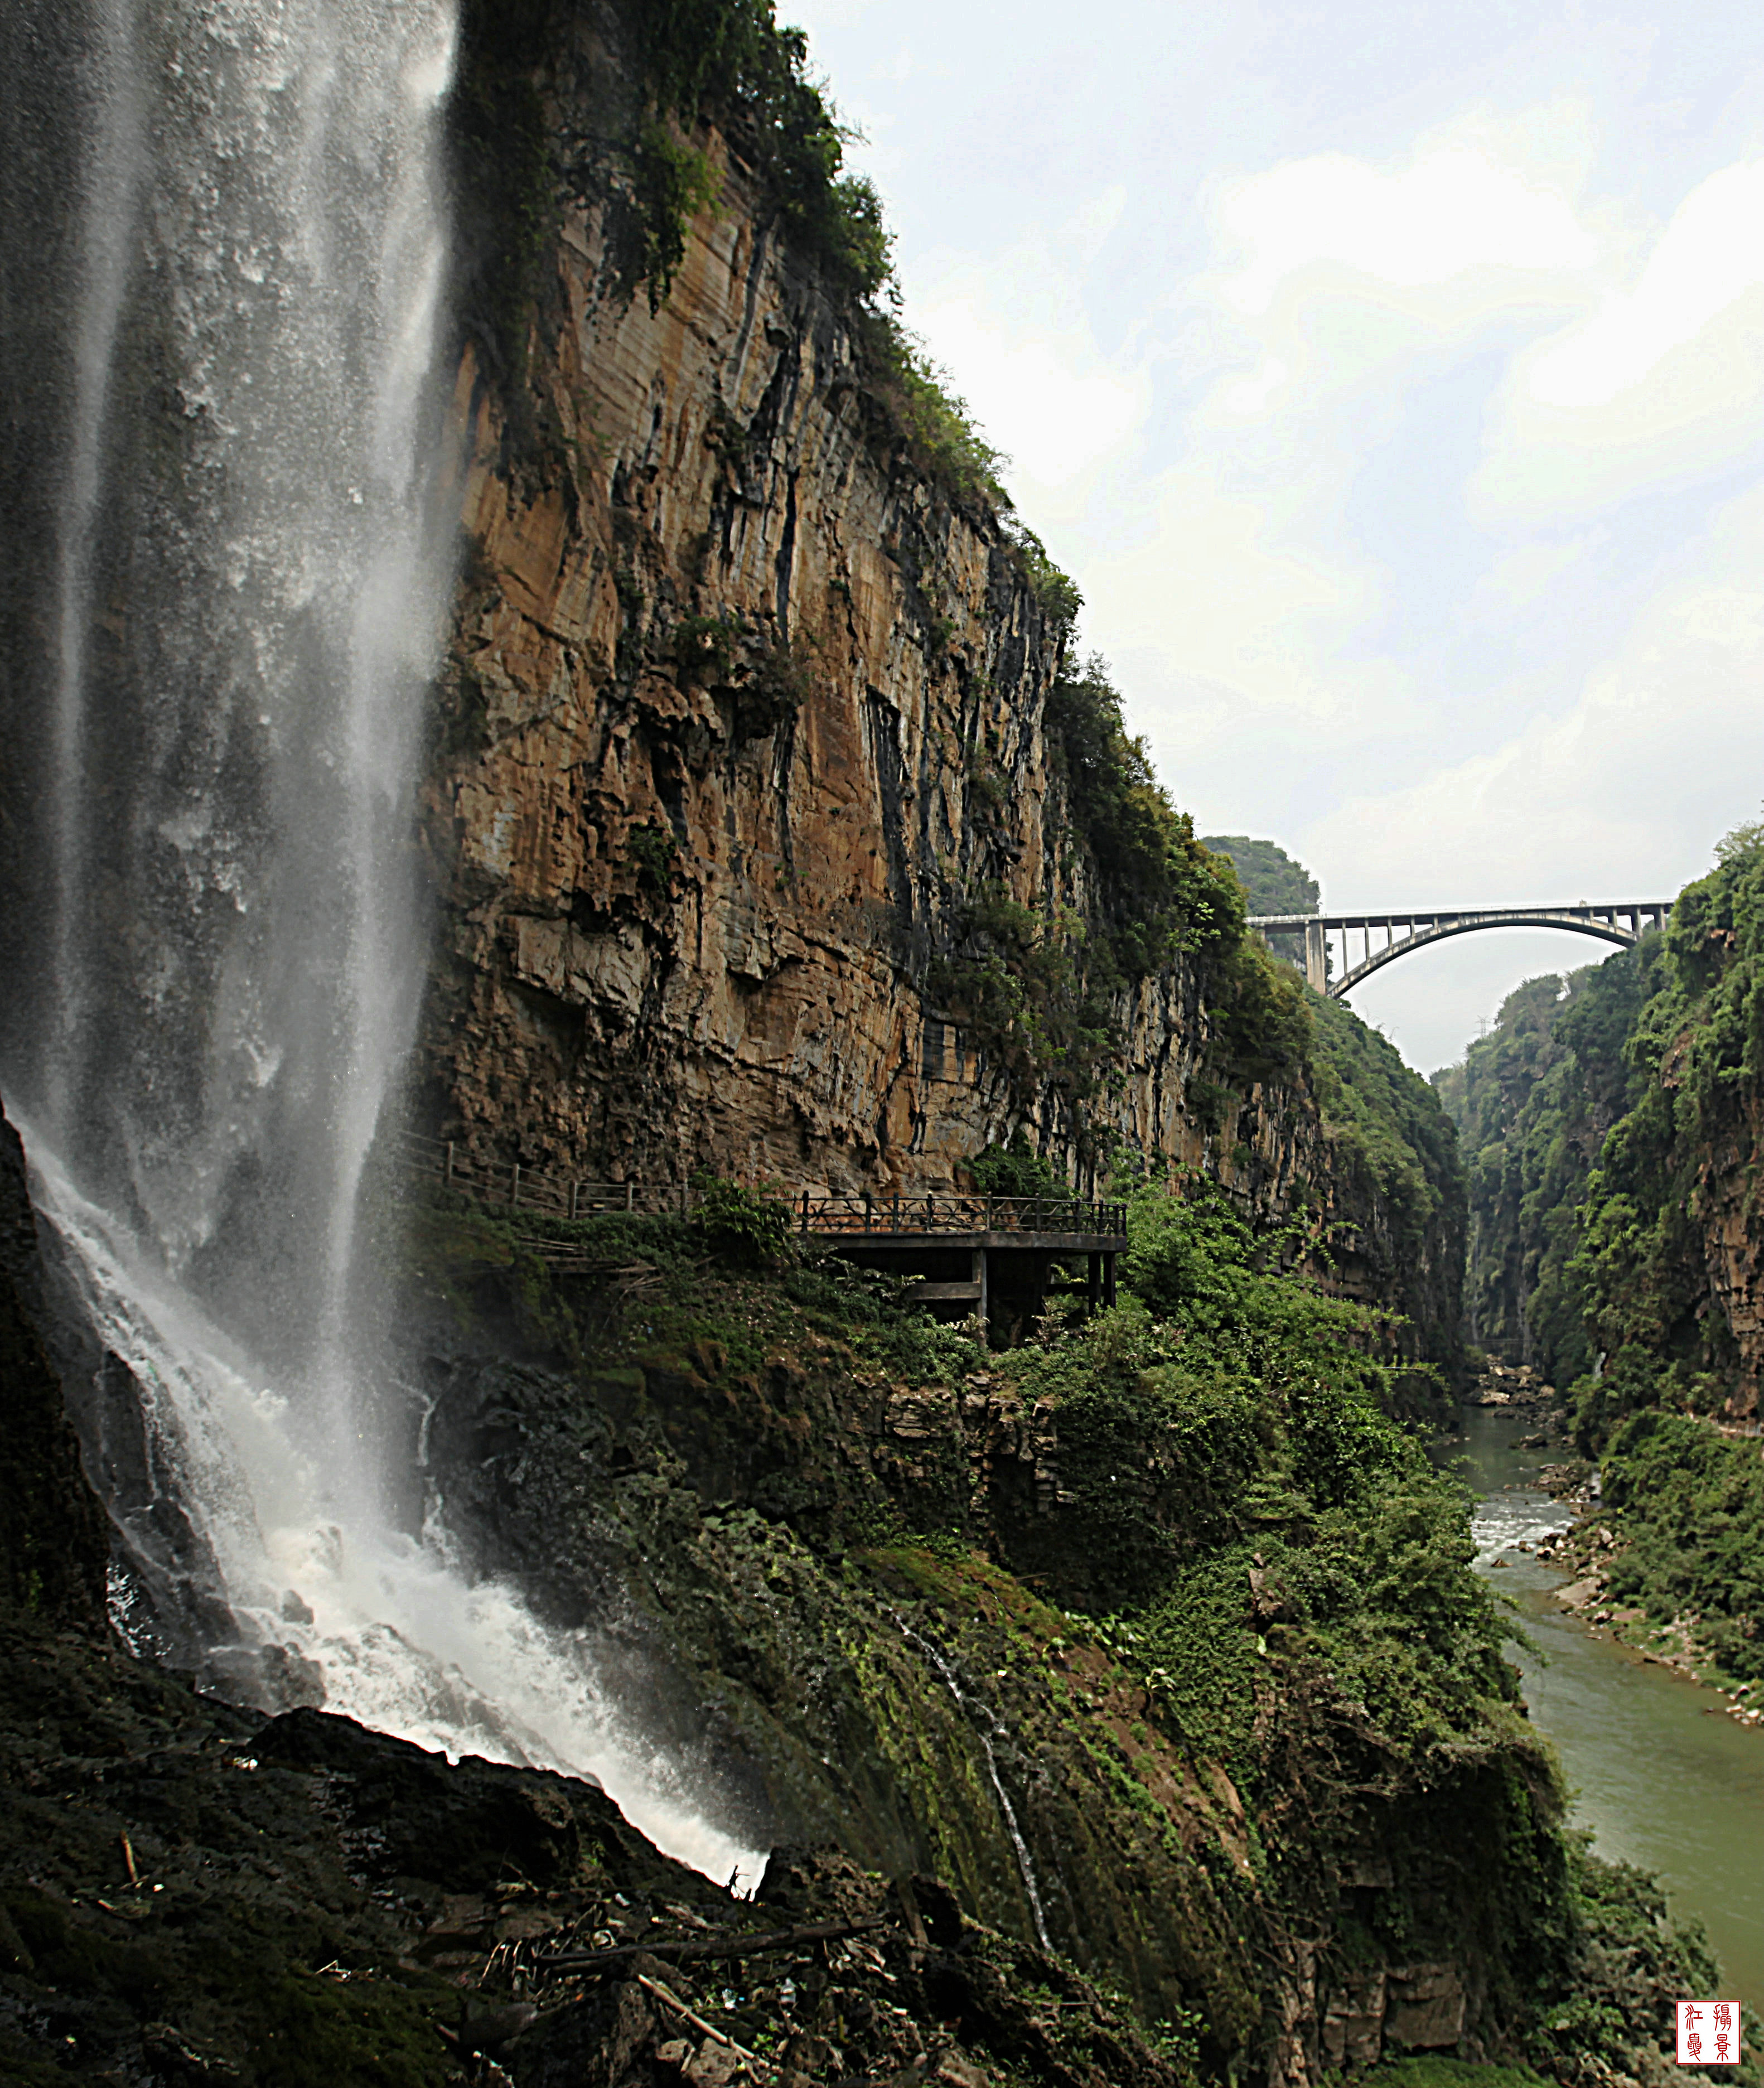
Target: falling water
x,y
246,578
986,1726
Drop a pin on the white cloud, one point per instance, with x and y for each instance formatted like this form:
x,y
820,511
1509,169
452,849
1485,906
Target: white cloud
x,y
1456,207
1047,399
1662,382
1231,612
1620,796
1708,257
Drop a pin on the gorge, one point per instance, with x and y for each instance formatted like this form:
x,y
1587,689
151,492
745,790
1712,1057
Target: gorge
x,y
504,637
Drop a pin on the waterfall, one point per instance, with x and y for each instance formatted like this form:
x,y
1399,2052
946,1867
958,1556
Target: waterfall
x,y
225,267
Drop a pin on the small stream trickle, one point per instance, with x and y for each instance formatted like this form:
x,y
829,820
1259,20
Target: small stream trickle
x,y
986,1726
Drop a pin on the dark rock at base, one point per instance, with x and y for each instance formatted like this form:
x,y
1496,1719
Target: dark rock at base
x,y
54,1536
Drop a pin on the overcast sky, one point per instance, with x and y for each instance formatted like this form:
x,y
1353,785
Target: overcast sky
x,y
1390,378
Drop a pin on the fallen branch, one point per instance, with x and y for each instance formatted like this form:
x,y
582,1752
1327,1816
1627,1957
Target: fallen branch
x,y
749,1945
704,2028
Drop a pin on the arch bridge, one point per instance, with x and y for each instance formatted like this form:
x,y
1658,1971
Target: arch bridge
x,y
1624,925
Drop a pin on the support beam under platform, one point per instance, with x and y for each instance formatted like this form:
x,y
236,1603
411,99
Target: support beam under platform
x,y
1002,1278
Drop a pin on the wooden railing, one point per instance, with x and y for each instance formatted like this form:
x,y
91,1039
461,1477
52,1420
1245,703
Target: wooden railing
x,y
518,1188
948,1212
511,1187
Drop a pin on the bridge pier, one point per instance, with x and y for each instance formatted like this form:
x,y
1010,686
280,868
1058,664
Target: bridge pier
x,y
1317,957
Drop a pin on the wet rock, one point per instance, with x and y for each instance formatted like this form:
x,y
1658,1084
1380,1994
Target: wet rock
x,y
1424,2008
1353,2023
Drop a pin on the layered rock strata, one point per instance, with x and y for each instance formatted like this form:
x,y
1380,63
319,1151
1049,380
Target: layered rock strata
x,y
743,702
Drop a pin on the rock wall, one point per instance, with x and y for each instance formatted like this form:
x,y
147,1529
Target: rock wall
x,y
691,876
742,703
741,700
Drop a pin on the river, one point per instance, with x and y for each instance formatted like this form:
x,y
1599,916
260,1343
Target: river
x,y
1661,1783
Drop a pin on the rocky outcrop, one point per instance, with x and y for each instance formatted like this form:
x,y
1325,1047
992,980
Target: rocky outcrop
x,y
1729,1230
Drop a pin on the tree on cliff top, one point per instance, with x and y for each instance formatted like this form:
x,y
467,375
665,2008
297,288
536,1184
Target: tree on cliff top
x,y
1272,882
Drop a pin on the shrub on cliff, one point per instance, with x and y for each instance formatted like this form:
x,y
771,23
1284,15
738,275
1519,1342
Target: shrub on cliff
x,y
745,1227
1266,1535
1273,884
1015,1170
729,60
1690,1505
1161,891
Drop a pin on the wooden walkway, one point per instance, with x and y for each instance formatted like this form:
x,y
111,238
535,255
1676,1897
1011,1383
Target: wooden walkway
x,y
511,1187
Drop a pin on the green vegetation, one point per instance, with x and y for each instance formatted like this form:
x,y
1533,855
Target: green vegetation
x,y
1435,2070
1161,890
730,61
529,133
1607,1120
1696,1052
940,437
1387,1126
1247,1569
1533,1101
1015,1170
745,1227
1273,884
1043,988
653,851
1597,1117
1690,1505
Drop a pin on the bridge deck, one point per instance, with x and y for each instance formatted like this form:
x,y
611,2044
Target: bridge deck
x,y
1622,921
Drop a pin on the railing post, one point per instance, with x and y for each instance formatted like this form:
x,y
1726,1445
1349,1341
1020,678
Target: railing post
x,y
894,1212
631,1196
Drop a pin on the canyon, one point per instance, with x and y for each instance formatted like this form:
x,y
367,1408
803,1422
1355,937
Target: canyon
x,y
1118,1707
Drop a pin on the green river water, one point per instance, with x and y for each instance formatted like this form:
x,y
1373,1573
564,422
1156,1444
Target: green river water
x,y
1661,1782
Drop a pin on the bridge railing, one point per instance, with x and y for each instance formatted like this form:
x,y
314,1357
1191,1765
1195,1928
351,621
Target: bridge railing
x,y
950,1212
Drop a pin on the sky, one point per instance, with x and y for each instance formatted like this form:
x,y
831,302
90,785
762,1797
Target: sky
x,y
1391,378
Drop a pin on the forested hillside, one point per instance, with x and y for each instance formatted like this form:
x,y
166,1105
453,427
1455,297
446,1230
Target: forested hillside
x,y
1532,1102
1272,882
1609,1122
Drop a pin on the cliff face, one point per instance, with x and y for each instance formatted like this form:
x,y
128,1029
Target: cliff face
x,y
1533,1102
738,701
744,708
1611,1133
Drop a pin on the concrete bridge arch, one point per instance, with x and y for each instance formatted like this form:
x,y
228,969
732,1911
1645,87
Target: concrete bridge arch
x,y
1403,932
